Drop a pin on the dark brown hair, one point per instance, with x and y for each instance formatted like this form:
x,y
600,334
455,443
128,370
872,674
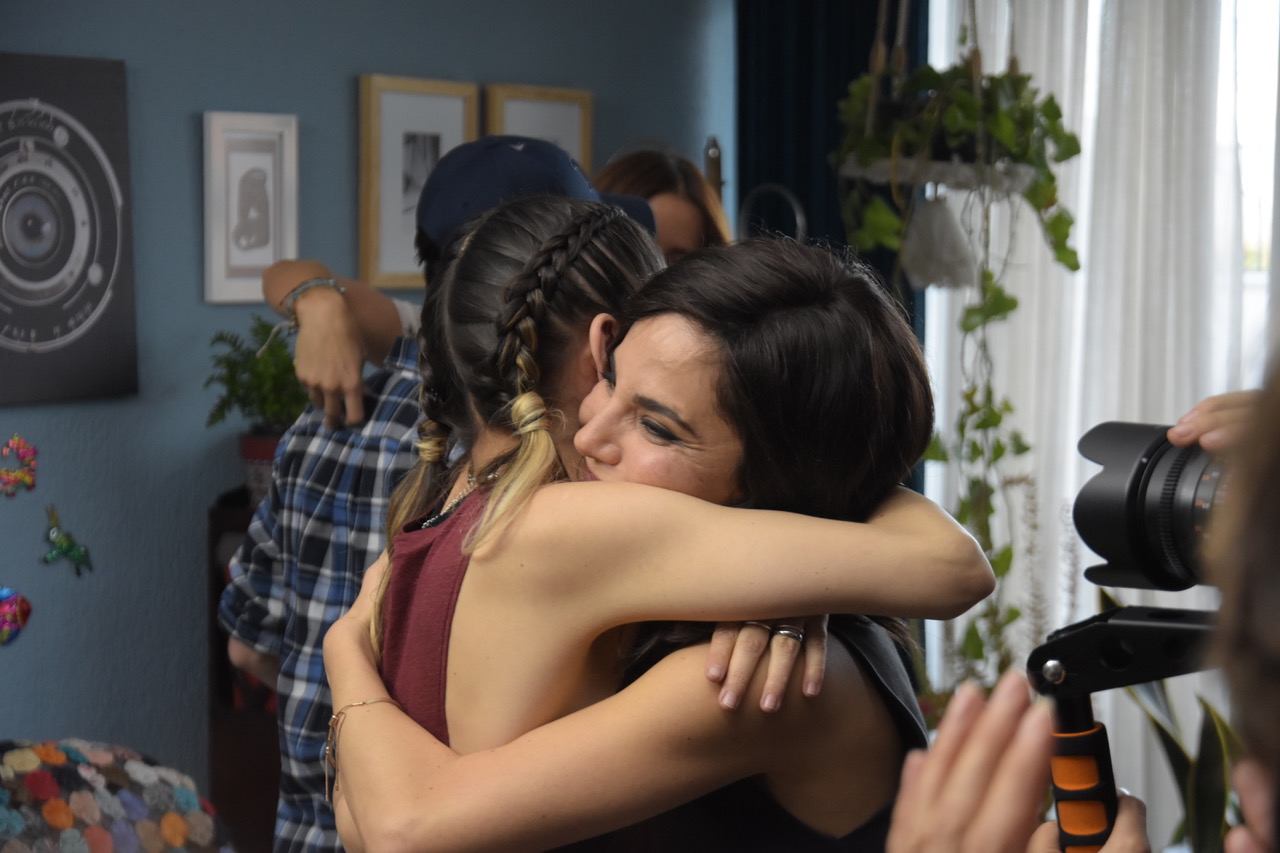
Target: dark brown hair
x,y
648,173
1244,563
822,378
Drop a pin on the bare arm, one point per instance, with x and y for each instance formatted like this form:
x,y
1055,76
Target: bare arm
x,y
675,557
337,334
559,783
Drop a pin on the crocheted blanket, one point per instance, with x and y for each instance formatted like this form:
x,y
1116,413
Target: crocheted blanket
x,y
73,796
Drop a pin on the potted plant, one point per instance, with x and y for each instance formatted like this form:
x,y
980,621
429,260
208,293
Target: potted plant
x,y
257,379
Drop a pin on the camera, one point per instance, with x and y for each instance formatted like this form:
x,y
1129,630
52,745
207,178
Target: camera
x,y
1147,510
1145,513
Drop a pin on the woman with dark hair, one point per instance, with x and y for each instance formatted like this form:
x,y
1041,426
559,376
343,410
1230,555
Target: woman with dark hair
x,y
686,208
534,588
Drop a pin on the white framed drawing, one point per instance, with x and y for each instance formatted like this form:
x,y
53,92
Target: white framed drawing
x,y
250,201
560,116
406,125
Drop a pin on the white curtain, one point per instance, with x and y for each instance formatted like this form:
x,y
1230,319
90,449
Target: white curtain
x,y
1151,322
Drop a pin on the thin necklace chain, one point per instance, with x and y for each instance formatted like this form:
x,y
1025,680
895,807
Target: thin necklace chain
x,y
471,486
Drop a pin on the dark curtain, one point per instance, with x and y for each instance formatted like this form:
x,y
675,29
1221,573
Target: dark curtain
x,y
795,61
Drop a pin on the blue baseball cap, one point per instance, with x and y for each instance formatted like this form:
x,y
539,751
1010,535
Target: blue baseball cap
x,y
476,176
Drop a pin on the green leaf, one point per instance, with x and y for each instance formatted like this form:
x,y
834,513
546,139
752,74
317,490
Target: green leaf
x,y
936,451
881,226
998,304
1011,615
972,318
257,378
1058,225
1153,698
991,418
998,449
1043,193
1176,756
973,646
1002,561
1020,446
957,121
1227,734
1002,128
1066,145
1208,786
1051,110
1067,257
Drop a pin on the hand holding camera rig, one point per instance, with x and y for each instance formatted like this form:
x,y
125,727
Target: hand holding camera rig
x,y
1146,514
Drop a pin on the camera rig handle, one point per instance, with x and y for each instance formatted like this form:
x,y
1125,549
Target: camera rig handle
x,y
1117,648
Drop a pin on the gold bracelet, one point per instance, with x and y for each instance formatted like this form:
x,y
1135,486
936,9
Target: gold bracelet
x,y
331,742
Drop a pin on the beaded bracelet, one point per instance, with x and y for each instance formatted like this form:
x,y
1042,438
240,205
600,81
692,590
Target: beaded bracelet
x,y
286,304
331,742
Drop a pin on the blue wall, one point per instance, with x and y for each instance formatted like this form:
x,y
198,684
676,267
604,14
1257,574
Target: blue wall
x,y
120,654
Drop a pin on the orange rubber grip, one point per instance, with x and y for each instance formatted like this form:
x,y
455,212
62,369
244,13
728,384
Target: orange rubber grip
x,y
1084,789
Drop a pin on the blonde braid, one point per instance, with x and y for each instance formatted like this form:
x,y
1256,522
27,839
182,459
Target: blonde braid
x,y
535,460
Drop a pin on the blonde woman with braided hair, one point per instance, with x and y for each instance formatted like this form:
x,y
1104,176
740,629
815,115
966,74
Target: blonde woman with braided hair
x,y
510,600
484,338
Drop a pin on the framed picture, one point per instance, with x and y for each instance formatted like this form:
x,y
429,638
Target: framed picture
x,y
68,329
250,201
406,126
560,116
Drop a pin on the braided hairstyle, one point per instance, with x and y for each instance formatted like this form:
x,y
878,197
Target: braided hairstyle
x,y
514,293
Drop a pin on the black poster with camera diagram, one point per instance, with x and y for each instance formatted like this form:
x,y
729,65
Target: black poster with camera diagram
x,y
67,324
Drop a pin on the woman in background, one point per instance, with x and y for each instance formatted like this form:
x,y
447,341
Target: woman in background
x,y
686,208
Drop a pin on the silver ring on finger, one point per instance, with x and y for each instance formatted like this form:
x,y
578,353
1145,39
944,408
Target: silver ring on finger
x,y
758,625
790,631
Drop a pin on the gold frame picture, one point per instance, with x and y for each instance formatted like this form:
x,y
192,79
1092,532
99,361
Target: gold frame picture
x,y
560,116
406,125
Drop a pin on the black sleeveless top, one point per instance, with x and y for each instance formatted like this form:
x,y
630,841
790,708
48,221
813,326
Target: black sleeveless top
x,y
743,818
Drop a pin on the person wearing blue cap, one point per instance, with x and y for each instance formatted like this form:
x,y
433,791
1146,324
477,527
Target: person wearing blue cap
x,y
344,324
322,522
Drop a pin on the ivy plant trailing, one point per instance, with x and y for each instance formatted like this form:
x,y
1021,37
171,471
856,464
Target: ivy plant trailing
x,y
1004,140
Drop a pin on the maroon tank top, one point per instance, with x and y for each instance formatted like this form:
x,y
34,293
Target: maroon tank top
x,y
427,569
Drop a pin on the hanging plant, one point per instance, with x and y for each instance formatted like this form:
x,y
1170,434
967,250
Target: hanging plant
x,y
908,139
956,127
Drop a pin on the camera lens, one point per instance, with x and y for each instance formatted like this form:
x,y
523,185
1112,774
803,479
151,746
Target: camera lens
x,y
38,233
31,227
1147,510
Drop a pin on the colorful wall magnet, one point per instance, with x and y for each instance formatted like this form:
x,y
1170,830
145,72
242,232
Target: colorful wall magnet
x,y
24,476
63,544
14,612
